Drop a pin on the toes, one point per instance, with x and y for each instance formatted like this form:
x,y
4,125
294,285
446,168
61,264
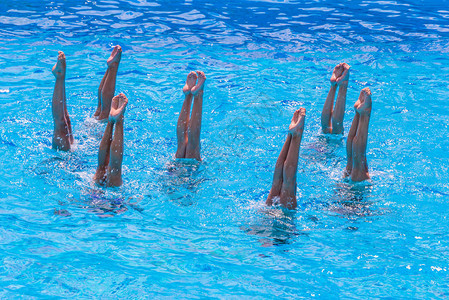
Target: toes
x,y
302,111
364,94
367,91
117,48
123,98
192,75
201,74
296,115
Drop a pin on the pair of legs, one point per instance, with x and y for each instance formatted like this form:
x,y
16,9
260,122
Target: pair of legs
x,y
62,133
110,154
284,179
357,166
332,120
107,85
188,128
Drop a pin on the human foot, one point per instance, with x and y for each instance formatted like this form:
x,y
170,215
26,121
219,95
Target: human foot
x,y
200,85
118,107
190,83
363,104
116,55
59,68
297,125
340,74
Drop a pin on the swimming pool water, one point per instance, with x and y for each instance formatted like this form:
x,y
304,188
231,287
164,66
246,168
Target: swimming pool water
x,y
187,230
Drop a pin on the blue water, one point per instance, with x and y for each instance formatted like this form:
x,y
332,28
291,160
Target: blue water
x,y
183,231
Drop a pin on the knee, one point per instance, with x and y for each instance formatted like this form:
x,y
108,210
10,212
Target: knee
x,y
61,143
288,201
326,129
337,127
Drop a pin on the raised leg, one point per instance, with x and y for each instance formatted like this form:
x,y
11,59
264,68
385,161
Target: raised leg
x,y
108,89
116,154
349,141
100,89
278,172
288,190
183,120
339,110
326,114
103,155
193,139
332,120
359,162
69,122
62,130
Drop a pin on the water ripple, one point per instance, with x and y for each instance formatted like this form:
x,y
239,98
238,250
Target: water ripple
x,y
202,230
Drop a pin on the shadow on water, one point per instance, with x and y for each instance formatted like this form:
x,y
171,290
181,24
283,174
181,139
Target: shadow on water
x,y
325,149
104,202
353,200
65,167
65,170
180,180
276,228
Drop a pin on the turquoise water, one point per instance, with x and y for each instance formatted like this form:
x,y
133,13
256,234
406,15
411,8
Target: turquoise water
x,y
187,230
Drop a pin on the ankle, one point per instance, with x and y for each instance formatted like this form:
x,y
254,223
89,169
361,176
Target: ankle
x,y
297,134
113,65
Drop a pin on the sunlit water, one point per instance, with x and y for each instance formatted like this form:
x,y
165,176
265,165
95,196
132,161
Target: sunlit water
x,y
185,230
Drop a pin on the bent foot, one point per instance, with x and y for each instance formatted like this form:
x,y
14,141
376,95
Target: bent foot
x,y
364,103
116,55
297,125
340,74
200,85
118,107
59,68
190,83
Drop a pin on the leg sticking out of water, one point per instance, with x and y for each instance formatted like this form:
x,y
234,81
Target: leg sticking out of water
x,y
193,135
62,134
116,116
100,89
107,85
188,129
357,166
183,119
110,154
332,120
284,179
